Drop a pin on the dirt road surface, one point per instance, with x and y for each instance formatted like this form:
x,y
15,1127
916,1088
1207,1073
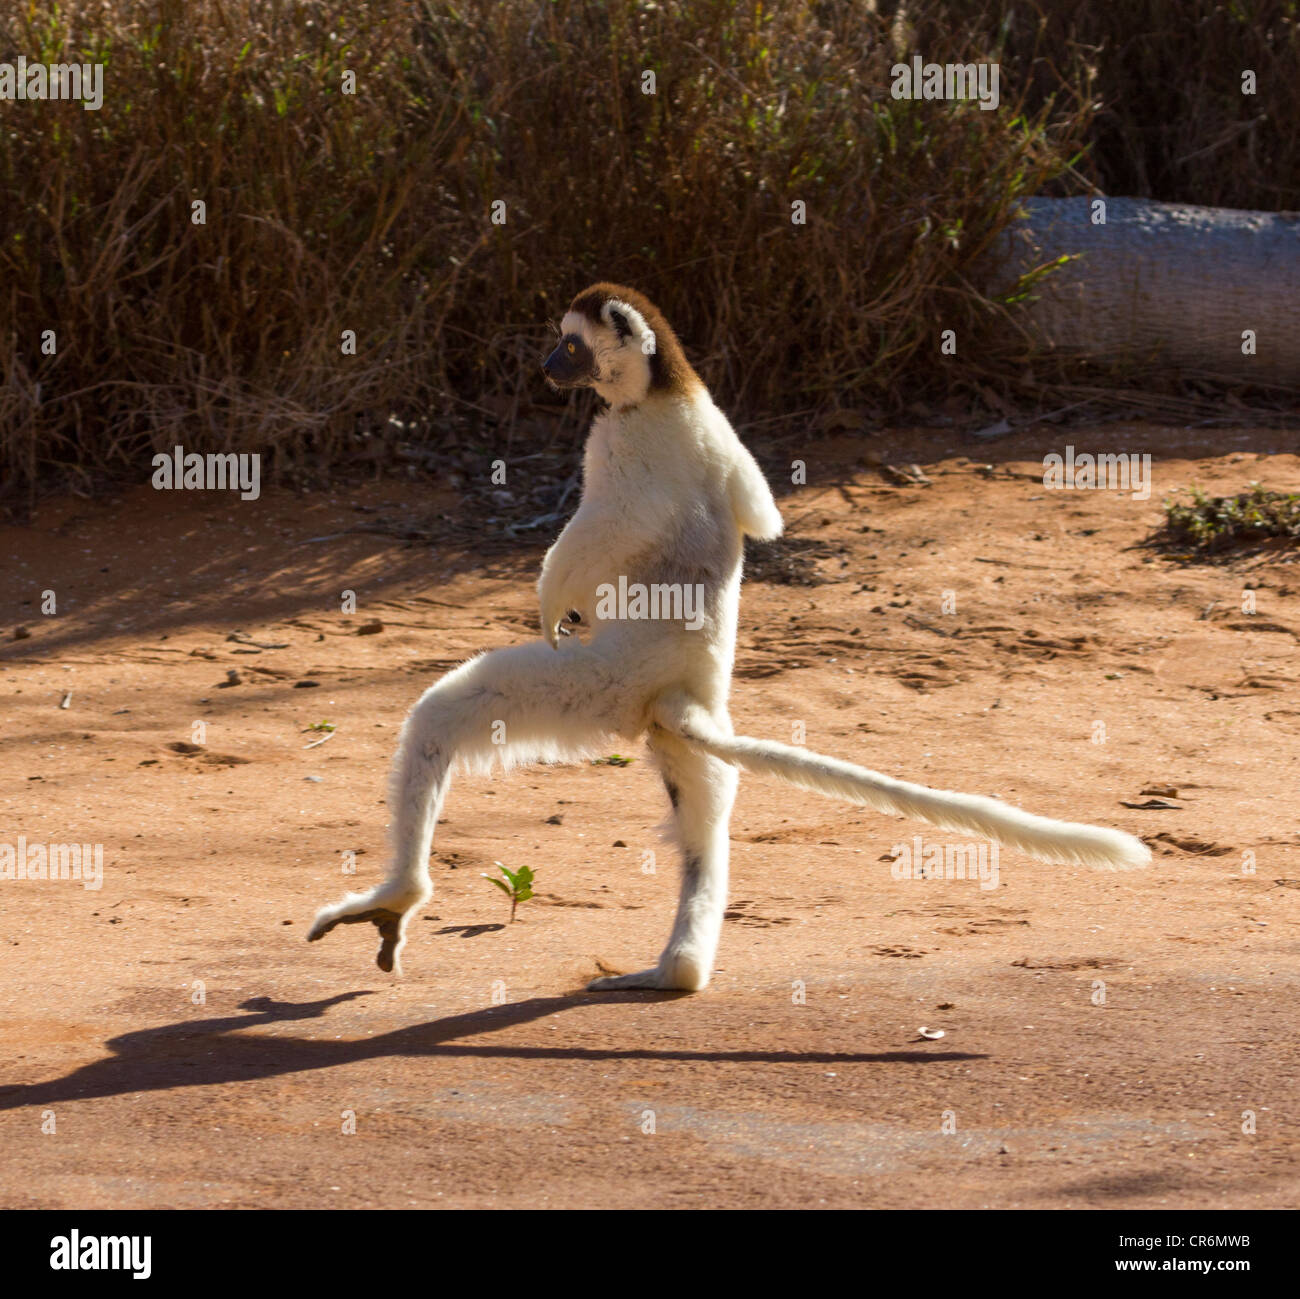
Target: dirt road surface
x,y
1117,1040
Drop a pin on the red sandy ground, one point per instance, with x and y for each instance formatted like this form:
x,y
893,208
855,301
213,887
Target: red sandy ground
x,y
217,859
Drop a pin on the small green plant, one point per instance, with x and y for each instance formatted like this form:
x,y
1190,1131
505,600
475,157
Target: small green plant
x,y
324,729
614,760
1212,523
517,885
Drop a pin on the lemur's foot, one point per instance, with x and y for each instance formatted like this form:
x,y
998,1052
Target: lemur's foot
x,y
677,973
387,922
361,908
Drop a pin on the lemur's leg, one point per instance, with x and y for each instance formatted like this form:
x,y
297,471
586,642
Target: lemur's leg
x,y
526,703
702,790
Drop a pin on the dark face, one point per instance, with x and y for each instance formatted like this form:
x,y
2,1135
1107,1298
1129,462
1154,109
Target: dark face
x,y
571,365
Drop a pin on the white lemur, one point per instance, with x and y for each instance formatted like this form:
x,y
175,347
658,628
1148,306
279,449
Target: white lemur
x,y
669,494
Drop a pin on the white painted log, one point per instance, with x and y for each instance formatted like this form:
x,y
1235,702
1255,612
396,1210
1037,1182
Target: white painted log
x,y
1183,283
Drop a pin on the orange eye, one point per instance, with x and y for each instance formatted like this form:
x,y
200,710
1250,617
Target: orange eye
x,y
572,349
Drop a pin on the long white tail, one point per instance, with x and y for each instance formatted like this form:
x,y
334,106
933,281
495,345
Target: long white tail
x,y
1065,842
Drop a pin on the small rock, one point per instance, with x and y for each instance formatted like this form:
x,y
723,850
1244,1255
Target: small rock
x,y
22,633
371,628
305,685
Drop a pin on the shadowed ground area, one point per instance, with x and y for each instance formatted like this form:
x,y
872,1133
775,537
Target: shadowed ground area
x,y
1109,1040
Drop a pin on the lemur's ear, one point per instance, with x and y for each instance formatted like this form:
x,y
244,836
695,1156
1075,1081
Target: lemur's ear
x,y
627,322
620,322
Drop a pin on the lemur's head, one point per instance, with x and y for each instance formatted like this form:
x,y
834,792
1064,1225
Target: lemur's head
x,y
616,340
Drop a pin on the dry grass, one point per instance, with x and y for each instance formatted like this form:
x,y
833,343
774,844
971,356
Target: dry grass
x,y
372,212
1172,121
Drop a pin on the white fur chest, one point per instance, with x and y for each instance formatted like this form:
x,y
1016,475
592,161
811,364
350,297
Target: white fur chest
x,y
645,465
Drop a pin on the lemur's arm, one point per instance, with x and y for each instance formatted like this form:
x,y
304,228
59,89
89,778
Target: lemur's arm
x,y
595,548
552,586
751,499
569,573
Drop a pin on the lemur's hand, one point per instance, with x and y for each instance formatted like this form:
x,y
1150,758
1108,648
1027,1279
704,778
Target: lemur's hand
x,y
552,608
558,591
551,618
553,628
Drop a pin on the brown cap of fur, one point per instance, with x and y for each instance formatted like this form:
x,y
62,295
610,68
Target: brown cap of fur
x,y
670,371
